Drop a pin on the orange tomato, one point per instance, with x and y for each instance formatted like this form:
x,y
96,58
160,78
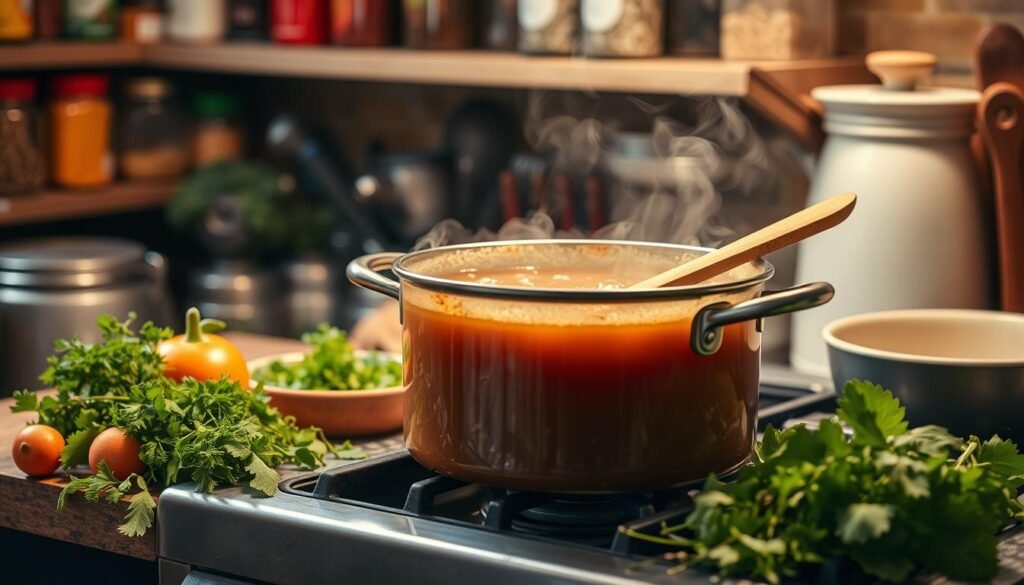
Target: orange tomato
x,y
202,355
36,449
119,451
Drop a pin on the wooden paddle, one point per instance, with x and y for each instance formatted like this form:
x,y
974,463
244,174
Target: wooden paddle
x,y
785,232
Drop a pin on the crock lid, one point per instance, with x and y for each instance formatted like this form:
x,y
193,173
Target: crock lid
x,y
70,254
898,108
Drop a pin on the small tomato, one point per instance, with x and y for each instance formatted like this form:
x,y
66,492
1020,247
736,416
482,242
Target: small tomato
x,y
36,449
119,451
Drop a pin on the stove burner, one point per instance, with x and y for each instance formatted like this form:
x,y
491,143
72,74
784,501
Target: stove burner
x,y
586,520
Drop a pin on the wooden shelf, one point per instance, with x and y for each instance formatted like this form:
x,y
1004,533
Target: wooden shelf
x,y
478,68
57,205
60,55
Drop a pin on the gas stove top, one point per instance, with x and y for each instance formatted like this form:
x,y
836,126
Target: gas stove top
x,y
389,520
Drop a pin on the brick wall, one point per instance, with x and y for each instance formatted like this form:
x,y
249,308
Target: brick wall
x,y
944,27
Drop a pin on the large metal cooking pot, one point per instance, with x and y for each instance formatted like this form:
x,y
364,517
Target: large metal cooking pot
x,y
578,390
56,288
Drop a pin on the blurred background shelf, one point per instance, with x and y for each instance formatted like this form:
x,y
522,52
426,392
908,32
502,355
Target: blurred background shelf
x,y
488,69
48,206
62,55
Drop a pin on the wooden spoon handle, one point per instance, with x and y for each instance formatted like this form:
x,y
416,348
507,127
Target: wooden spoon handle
x,y
785,232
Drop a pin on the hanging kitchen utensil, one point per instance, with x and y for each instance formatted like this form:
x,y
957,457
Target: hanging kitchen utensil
x,y
919,238
1001,127
785,232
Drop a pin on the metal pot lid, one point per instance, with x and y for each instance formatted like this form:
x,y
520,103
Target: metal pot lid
x,y
71,254
899,107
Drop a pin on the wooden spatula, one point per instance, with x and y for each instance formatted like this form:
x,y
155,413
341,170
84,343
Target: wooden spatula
x,y
785,232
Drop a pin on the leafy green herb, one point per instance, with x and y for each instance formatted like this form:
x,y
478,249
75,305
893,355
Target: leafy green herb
x,y
332,364
213,433
891,500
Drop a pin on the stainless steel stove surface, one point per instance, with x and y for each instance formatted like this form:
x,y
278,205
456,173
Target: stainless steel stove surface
x,y
389,520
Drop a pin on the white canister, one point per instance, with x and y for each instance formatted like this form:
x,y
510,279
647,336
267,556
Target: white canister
x,y
918,237
196,21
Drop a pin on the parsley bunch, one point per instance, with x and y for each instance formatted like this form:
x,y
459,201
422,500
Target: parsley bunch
x,y
332,364
213,433
889,499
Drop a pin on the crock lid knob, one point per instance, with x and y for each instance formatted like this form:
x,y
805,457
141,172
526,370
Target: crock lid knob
x,y
901,70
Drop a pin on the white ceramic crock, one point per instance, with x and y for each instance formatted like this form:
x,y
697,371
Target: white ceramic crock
x,y
917,238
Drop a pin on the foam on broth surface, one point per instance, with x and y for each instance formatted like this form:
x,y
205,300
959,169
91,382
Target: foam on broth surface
x,y
562,266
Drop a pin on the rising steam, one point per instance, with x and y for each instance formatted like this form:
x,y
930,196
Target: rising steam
x,y
716,152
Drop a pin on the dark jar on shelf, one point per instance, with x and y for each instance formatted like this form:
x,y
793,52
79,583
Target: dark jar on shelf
x,y
361,23
438,24
21,149
247,20
500,25
693,27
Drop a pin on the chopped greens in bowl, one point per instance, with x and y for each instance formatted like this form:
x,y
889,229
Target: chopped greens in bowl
x,y
332,364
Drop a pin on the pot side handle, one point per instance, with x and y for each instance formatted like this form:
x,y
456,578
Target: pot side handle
x,y
706,330
365,272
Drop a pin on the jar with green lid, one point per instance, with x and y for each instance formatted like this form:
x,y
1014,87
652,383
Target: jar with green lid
x,y
218,134
91,19
154,131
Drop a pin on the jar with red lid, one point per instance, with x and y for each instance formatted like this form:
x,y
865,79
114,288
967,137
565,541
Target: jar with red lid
x,y
21,150
361,23
298,22
80,120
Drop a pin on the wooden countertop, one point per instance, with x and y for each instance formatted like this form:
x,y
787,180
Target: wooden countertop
x,y
29,505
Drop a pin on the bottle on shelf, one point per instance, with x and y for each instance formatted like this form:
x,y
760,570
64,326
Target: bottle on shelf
x,y
49,19
438,24
298,22
93,20
247,20
142,22
17,20
361,23
80,119
196,21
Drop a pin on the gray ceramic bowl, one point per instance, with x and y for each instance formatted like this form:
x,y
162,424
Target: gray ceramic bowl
x,y
960,369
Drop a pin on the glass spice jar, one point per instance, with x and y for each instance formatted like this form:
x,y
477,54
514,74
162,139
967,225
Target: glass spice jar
x,y
548,27
778,29
154,131
247,20
17,20
622,28
361,23
80,118
196,21
218,135
49,23
500,25
438,24
142,22
21,150
298,22
693,27
95,20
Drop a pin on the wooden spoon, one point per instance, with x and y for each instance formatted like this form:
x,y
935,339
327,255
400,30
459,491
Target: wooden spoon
x,y
785,232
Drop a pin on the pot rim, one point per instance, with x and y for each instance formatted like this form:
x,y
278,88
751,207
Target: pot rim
x,y
295,356
554,294
949,315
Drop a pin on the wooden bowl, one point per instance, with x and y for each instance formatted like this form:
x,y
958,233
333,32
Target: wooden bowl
x,y
340,413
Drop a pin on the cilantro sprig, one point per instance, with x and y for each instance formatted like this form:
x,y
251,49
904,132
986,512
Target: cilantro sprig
x,y
332,364
890,499
212,433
